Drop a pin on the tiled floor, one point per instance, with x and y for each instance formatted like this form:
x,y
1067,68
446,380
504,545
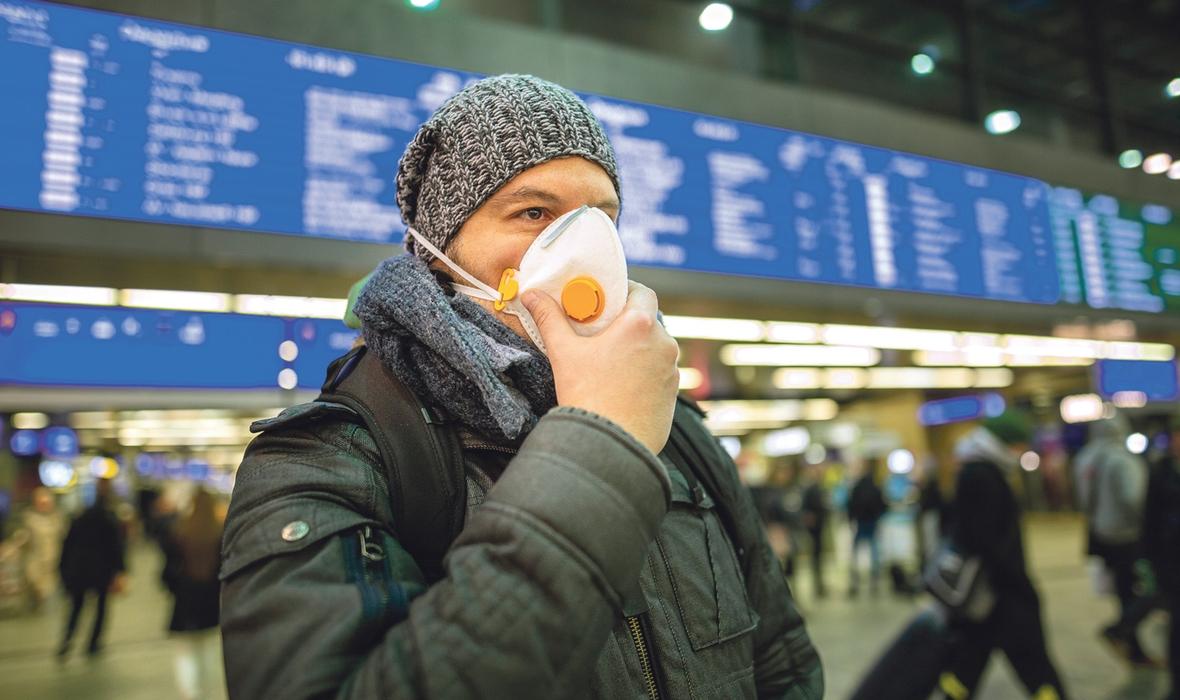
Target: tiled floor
x,y
138,660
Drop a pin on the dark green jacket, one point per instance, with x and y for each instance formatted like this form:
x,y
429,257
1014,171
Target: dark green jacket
x,y
587,563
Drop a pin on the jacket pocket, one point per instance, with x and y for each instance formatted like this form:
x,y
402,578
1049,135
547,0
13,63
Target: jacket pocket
x,y
283,526
706,580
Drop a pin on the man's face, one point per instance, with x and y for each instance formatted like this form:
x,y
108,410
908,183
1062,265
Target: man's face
x,y
501,230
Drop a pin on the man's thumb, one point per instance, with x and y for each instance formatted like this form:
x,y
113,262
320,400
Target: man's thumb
x,y
547,314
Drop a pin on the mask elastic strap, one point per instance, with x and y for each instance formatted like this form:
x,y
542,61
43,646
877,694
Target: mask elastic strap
x,y
485,292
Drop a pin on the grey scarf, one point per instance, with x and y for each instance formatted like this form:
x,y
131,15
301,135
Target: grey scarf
x,y
454,355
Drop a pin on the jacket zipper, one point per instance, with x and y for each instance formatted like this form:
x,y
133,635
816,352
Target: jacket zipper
x,y
374,557
489,447
649,677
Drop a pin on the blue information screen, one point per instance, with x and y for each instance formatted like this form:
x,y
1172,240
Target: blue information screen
x,y
129,118
89,346
119,347
1155,379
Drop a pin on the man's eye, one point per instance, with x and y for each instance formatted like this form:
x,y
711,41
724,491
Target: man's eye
x,y
533,213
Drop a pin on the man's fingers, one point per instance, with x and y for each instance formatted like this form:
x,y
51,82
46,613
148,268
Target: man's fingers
x,y
642,299
548,315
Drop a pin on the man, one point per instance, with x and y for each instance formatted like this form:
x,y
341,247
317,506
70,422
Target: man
x,y
1161,539
44,524
866,505
815,519
587,566
986,524
1112,489
92,562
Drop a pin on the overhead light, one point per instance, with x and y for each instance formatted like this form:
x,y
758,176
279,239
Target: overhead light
x,y
971,340
820,409
1157,163
846,379
29,421
59,294
690,378
791,332
294,307
422,4
900,461
1174,171
731,416
1002,121
732,445
922,64
972,357
716,16
1050,346
1137,443
1129,399
789,441
997,378
799,356
178,300
891,338
1172,89
1029,461
1082,408
1131,158
738,329
816,453
920,378
798,378
1124,350
1047,361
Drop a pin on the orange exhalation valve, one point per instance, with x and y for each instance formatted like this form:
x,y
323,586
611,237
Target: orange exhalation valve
x,y
583,299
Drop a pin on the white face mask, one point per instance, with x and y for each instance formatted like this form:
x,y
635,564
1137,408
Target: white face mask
x,y
578,260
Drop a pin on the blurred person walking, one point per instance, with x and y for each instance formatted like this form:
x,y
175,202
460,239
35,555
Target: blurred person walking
x,y
986,526
1161,540
192,551
45,526
866,505
92,562
1112,489
815,521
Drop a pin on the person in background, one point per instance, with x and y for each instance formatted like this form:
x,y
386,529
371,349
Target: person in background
x,y
815,520
866,505
1161,543
45,526
987,525
1112,488
193,553
92,562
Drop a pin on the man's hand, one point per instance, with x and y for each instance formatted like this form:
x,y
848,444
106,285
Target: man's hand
x,y
627,373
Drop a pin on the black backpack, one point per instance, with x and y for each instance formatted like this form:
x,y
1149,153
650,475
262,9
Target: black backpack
x,y
423,459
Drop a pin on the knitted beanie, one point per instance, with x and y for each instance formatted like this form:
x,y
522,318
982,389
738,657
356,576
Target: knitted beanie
x,y
481,138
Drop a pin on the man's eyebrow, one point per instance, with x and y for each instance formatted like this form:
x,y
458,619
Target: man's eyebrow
x,y
524,194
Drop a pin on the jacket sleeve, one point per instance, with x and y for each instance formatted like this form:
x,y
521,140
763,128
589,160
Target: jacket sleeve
x,y
529,596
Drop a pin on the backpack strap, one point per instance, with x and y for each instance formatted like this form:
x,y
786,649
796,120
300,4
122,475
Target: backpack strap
x,y
421,455
703,460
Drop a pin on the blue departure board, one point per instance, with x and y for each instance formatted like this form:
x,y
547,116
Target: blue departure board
x,y
1155,380
318,342
125,117
84,346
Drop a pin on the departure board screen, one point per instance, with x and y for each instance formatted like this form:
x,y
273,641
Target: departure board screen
x,y
120,347
89,346
1116,254
131,118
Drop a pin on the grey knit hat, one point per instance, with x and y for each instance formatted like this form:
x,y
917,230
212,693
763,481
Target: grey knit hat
x,y
485,135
